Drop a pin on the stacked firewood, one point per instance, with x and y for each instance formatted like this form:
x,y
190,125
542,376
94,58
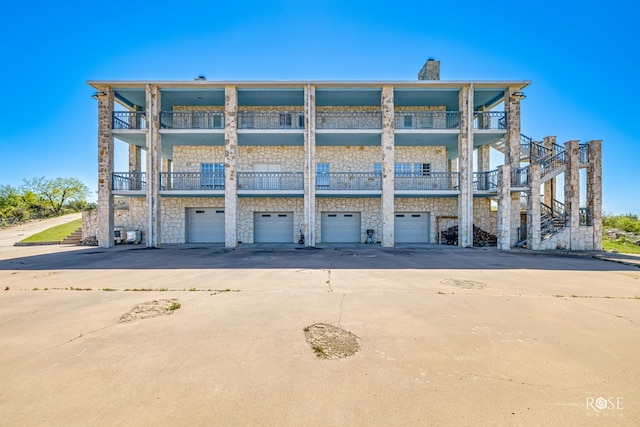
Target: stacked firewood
x,y
480,237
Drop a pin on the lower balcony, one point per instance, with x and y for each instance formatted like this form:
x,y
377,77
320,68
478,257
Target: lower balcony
x,y
271,183
432,183
348,183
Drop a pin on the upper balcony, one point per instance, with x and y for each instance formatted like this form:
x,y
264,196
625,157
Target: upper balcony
x,y
490,120
279,120
423,120
271,183
348,120
192,120
129,120
425,184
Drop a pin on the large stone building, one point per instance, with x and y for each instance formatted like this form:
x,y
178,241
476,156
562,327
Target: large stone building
x,y
392,162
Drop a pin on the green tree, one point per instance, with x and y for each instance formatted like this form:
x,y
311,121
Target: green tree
x,y
55,193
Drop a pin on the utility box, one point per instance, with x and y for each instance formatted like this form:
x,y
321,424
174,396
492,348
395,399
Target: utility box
x,y
134,237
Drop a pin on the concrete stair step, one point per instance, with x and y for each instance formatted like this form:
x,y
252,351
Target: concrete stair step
x,y
73,238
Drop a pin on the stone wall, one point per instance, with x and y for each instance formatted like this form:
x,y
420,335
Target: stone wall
x,y
483,216
248,206
369,208
437,156
349,158
89,223
290,159
578,239
187,158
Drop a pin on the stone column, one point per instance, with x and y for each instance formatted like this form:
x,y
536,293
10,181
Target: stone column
x,y
135,159
230,164
533,209
309,165
594,191
166,165
452,165
572,190
105,168
484,159
154,164
550,185
504,207
512,152
388,160
465,166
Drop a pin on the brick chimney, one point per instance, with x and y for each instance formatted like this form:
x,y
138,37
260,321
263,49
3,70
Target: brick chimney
x,y
430,70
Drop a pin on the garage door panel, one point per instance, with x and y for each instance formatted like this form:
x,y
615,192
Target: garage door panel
x,y
205,225
273,227
411,227
341,227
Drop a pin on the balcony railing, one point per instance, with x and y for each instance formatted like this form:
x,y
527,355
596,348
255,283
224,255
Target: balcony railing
x,y
129,181
490,120
433,181
129,120
192,119
485,181
270,181
427,120
552,163
192,181
348,181
270,120
348,120
520,177
585,217
583,154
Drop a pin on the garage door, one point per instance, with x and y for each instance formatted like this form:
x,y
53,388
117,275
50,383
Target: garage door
x,y
205,225
411,227
273,227
340,227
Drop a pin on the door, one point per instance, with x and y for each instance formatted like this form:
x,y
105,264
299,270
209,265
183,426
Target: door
x,y
341,227
411,227
267,176
273,227
205,225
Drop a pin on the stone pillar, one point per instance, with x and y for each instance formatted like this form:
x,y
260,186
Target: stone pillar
x,y
504,207
465,166
452,165
594,191
484,159
154,164
572,190
105,168
388,160
533,209
135,159
309,165
230,164
550,185
512,152
166,165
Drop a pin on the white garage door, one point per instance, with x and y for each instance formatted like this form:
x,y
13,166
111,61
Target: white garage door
x,y
341,227
412,227
205,225
273,227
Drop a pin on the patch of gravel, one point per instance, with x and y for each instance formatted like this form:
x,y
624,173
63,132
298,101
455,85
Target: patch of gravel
x,y
150,309
331,342
463,284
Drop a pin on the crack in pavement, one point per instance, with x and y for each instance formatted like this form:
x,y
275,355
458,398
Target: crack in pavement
x,y
602,311
340,316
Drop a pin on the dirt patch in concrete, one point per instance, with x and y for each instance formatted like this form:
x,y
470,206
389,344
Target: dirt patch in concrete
x,y
463,284
150,309
331,342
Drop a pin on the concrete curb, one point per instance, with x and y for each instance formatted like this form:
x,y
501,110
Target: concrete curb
x,y
35,243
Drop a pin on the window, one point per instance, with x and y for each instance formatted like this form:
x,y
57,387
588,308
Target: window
x,y
402,169
322,175
421,169
301,121
285,120
377,169
212,176
407,121
412,169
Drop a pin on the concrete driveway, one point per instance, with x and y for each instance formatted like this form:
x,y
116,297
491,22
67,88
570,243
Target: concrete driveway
x,y
449,336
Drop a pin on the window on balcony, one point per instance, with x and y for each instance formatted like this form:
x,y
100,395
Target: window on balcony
x,y
407,121
211,176
322,176
412,169
377,169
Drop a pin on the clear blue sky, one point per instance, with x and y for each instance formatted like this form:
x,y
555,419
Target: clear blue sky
x,y
582,56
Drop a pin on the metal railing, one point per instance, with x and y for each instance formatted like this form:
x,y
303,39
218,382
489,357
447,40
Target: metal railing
x,y
192,181
485,181
128,181
489,120
583,154
192,119
585,217
270,181
348,181
432,181
271,119
520,177
427,120
348,120
129,120
552,163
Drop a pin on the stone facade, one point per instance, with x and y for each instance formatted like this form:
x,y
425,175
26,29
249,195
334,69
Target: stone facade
x,y
174,214
187,158
247,207
290,159
369,208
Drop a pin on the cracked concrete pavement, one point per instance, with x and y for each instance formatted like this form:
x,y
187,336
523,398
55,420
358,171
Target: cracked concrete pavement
x,y
449,336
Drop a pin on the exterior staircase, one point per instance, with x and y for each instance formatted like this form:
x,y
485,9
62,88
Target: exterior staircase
x,y
74,238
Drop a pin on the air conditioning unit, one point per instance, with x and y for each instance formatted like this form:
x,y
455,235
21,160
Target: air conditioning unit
x,y
119,234
134,237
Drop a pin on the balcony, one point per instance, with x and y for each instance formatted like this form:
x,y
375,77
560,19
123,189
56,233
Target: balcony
x,y
346,182
192,120
346,120
490,120
432,181
274,120
128,181
129,120
485,181
427,120
192,182
272,183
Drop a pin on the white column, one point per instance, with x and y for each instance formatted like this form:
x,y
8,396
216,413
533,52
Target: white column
x,y
572,190
230,163
533,209
504,207
309,166
465,166
154,165
512,152
594,191
105,168
388,160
